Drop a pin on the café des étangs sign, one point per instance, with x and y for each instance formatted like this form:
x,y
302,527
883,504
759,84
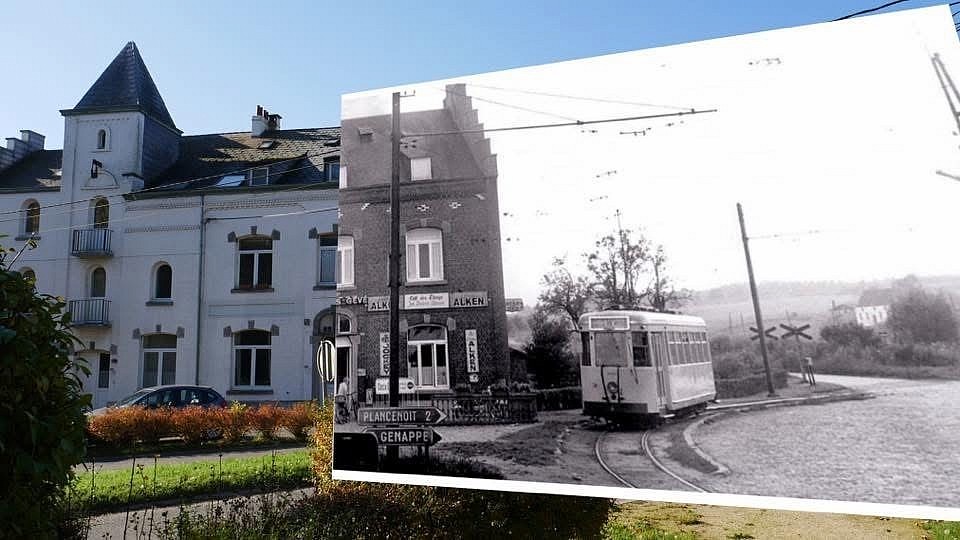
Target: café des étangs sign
x,y
458,300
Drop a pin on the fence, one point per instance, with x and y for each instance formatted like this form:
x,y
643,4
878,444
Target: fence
x,y
471,409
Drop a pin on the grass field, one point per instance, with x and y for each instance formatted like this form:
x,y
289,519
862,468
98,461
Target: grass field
x,y
115,489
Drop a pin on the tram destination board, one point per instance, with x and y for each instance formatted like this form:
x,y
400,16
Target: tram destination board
x,y
378,416
404,436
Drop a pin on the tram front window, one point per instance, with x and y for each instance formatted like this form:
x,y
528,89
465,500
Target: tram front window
x,y
611,348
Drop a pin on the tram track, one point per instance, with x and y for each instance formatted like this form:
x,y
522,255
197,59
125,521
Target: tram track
x,y
645,447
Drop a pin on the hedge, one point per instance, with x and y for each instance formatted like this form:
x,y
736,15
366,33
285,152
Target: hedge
x,y
747,386
123,427
558,399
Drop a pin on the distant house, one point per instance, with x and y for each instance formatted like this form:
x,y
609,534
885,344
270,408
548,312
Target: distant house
x,y
873,309
843,314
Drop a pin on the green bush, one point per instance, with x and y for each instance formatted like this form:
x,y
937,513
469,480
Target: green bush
x,y
934,355
849,334
41,412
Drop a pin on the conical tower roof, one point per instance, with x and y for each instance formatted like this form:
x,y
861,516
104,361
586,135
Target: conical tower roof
x,y
125,85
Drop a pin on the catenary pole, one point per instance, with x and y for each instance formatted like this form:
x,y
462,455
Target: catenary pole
x,y
393,452
756,303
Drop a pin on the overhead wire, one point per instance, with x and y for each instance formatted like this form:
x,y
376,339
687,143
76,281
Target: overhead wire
x,y
582,98
871,10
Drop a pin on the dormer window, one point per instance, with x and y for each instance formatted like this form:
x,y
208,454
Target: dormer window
x,y
260,176
266,145
102,139
331,170
231,180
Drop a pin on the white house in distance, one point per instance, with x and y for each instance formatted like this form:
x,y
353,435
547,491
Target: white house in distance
x,y
206,259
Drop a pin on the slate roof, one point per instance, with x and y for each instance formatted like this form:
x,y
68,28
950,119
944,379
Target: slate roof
x,y
37,171
296,157
125,84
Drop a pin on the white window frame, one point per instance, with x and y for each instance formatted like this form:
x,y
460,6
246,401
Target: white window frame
x,y
162,357
343,176
260,181
421,168
345,274
321,249
432,240
253,361
255,285
446,358
106,140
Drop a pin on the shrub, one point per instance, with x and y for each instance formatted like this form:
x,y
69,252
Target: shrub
x,y
233,421
849,334
126,426
41,413
194,424
299,419
921,317
558,399
266,419
934,355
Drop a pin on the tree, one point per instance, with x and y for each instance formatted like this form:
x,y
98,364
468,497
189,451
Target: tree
x,y
565,294
41,413
617,264
548,358
920,317
661,291
849,333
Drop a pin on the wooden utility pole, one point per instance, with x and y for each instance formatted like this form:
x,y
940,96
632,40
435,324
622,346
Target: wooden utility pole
x,y
756,303
393,452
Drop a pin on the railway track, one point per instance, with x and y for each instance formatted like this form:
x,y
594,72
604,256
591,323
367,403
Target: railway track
x,y
645,447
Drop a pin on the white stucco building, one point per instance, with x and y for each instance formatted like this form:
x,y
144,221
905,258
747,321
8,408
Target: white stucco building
x,y
203,259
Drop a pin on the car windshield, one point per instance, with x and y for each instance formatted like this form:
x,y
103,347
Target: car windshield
x,y
132,398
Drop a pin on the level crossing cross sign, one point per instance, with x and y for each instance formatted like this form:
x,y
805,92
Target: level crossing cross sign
x,y
766,333
795,331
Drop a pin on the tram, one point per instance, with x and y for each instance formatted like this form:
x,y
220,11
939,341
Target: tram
x,y
641,367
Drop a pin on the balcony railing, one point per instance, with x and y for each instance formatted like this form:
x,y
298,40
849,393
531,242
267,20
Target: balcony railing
x,y
90,312
91,243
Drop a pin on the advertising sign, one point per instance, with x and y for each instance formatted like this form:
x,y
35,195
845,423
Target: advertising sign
x,y
473,359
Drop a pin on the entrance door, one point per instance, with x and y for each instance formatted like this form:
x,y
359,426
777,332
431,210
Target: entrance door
x,y
660,362
98,383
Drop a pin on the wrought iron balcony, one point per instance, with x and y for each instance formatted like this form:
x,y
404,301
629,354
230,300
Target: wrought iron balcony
x,y
91,243
90,312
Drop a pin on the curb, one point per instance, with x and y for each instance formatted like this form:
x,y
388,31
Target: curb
x,y
721,469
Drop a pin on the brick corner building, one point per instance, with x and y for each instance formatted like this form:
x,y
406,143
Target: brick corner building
x,y
453,314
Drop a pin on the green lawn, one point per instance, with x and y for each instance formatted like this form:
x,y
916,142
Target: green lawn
x,y
943,530
111,490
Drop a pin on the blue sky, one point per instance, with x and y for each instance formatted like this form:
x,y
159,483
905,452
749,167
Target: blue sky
x,y
215,61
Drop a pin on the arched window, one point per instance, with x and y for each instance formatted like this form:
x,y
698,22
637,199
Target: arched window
x,y
163,283
101,213
344,324
255,263
427,356
31,223
102,139
98,283
323,324
345,261
159,359
424,255
251,359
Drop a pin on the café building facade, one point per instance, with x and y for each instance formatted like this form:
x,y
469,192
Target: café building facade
x,y
453,314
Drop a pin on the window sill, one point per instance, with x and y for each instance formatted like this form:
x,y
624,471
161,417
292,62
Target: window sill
x,y
249,392
25,237
159,302
324,287
346,287
252,290
425,283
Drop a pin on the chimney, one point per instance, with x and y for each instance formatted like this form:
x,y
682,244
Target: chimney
x,y
259,124
33,139
273,121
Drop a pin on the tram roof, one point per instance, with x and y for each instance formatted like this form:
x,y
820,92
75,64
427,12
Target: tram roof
x,y
645,317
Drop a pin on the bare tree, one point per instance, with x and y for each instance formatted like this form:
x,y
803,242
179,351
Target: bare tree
x,y
617,264
565,294
661,292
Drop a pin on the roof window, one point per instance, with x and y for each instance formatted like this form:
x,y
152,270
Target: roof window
x,y
267,145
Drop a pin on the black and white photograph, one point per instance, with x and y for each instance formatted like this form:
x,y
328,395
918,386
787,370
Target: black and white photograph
x,y
722,267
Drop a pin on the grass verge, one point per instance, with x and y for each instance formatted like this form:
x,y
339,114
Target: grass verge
x,y
942,530
145,483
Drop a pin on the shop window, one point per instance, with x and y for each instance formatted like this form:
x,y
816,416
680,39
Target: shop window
x,y
424,255
427,356
251,359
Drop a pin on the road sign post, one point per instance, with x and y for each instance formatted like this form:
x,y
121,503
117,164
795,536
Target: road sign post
x,y
419,416
404,436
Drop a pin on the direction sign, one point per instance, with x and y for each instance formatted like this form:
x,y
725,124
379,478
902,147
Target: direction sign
x,y
415,436
402,415
795,331
766,333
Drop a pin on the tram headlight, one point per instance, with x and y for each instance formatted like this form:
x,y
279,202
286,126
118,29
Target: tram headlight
x,y
612,389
